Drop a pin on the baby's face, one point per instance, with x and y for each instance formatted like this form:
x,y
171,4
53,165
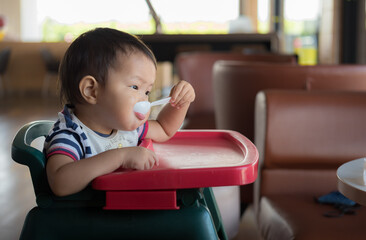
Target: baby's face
x,y
128,83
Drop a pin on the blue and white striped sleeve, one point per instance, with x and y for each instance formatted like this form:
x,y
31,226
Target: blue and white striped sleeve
x,y
64,142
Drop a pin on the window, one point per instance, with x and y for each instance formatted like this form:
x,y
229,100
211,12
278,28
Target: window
x,y
301,29
64,20
264,16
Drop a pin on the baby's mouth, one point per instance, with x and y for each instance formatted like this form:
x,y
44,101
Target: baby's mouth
x,y
140,116
141,109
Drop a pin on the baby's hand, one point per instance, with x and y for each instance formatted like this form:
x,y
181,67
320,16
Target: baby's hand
x,y
182,94
139,158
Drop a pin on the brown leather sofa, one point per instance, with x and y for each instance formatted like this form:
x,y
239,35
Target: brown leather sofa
x,y
237,83
302,138
196,68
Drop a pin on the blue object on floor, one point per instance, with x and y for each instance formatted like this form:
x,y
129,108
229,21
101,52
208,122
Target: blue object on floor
x,y
336,198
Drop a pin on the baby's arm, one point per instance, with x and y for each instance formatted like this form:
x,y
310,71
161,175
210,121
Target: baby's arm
x,y
172,115
67,176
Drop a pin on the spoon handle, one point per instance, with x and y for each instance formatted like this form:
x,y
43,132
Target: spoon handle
x,y
161,101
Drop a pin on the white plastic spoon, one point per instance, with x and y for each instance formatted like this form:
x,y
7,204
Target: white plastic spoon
x,y
160,102
144,107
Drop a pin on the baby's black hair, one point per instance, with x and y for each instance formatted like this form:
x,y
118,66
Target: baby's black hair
x,y
94,53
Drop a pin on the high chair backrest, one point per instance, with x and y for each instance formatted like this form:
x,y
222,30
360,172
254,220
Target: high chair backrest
x,y
23,153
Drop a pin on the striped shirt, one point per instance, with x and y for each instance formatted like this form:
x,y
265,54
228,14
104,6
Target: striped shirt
x,y
70,137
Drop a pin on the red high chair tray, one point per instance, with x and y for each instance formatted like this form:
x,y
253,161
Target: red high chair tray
x,y
191,159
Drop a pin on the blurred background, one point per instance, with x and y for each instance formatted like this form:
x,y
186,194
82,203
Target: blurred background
x,y
317,31
34,34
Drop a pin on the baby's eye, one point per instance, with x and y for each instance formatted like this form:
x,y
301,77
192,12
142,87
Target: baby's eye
x,y
147,93
135,87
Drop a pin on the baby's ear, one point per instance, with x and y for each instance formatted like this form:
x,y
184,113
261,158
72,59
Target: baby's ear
x,y
88,87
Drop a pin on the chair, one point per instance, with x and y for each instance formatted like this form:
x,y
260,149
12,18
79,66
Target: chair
x,y
52,65
236,83
81,215
302,138
196,68
4,61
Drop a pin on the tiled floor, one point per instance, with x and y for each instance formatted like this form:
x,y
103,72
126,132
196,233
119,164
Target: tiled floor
x,y
16,189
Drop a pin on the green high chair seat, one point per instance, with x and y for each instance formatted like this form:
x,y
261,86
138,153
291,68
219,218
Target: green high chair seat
x,y
81,215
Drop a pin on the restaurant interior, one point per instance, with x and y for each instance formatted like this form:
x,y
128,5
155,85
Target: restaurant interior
x,y
288,76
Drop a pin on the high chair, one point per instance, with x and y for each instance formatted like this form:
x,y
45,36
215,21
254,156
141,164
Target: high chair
x,y
190,211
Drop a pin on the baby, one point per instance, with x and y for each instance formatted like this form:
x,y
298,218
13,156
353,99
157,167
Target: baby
x,y
103,74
